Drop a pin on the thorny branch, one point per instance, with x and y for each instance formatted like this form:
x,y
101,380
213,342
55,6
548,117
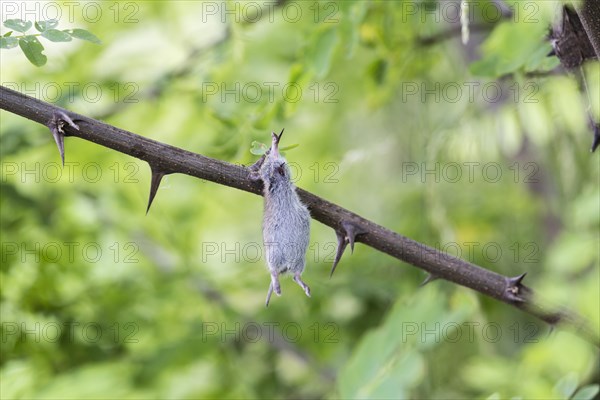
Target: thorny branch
x,y
348,226
589,14
575,39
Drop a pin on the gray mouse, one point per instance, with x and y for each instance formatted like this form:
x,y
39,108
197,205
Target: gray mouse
x,y
286,221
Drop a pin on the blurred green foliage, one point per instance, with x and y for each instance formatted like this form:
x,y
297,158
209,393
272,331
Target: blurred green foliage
x,y
449,144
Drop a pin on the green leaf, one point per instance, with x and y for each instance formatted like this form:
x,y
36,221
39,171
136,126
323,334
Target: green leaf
x,y
55,35
485,67
291,146
45,25
388,359
32,48
258,148
377,70
539,58
83,35
586,392
7,34
567,385
322,50
296,72
297,81
18,25
511,47
356,15
8,42
384,372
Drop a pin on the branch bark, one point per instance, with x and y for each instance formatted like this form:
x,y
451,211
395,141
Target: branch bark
x,y
589,14
348,226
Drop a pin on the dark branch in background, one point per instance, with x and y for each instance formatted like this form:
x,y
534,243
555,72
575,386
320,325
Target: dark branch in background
x,y
451,33
474,27
570,41
348,226
589,14
576,39
277,341
186,68
168,78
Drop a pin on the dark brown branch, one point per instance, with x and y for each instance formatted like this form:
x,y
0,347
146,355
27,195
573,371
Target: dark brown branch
x,y
589,14
570,41
451,33
170,159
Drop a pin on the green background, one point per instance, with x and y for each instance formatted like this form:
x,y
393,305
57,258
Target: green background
x,y
457,146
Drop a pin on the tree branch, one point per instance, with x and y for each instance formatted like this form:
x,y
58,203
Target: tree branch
x,y
349,227
589,14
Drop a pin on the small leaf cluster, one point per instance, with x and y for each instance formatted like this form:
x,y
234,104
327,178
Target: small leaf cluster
x,y
259,148
29,43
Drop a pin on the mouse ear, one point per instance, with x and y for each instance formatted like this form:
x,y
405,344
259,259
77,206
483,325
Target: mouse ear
x,y
281,169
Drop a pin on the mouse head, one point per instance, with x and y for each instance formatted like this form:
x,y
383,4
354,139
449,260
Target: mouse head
x,y
274,169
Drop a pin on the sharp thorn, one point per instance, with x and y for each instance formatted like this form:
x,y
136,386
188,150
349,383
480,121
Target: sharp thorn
x,y
56,124
59,138
515,281
429,278
345,236
341,246
514,290
351,231
154,184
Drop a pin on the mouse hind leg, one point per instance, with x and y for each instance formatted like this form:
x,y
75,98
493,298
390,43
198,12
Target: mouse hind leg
x,y
303,285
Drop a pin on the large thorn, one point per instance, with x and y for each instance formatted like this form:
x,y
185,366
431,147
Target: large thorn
x,y
514,288
157,176
429,278
59,138
596,140
345,237
341,246
352,231
56,126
